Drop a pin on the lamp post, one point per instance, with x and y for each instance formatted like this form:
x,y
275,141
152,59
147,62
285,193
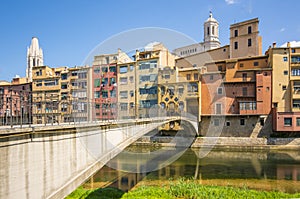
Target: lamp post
x,y
11,122
21,107
52,106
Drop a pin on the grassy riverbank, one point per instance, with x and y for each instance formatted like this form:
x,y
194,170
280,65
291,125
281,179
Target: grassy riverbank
x,y
178,189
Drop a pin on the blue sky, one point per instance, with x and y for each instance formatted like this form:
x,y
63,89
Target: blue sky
x,y
69,29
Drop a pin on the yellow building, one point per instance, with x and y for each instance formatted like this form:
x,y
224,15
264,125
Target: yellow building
x,y
60,94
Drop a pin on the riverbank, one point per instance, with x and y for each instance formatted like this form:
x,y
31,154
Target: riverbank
x,y
181,188
226,142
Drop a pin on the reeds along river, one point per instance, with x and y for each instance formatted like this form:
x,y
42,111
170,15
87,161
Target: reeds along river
x,y
262,170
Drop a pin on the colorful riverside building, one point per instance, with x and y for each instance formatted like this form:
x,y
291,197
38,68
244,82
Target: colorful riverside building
x,y
15,102
285,61
105,85
234,84
61,94
138,79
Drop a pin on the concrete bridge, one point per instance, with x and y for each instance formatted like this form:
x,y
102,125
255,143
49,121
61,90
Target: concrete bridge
x,y
52,161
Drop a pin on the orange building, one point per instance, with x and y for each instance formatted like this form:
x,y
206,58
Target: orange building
x,y
236,96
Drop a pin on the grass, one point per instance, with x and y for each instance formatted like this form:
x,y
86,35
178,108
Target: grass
x,y
183,189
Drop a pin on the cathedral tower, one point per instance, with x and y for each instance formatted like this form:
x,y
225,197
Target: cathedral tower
x,y
211,33
34,57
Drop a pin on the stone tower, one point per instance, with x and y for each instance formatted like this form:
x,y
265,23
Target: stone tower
x,y
34,57
211,33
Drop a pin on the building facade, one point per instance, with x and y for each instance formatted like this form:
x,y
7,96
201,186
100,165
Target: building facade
x,y
15,102
61,95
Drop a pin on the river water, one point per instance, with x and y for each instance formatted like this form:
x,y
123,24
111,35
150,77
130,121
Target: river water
x,y
261,170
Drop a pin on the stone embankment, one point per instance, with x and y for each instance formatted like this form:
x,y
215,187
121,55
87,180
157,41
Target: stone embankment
x,y
227,142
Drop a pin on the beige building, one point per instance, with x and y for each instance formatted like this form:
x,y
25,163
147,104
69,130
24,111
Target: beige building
x,y
285,62
244,39
60,94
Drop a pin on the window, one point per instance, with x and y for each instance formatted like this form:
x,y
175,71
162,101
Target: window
x,y
298,121
97,94
104,94
207,30
64,76
112,69
227,123
220,91
211,77
64,86
124,106
242,121
249,42
97,70
236,45
244,77
287,121
181,106
213,30
283,87
39,73
296,103
123,69
112,80
218,108
293,50
97,83
285,72
124,94
123,80
97,106
180,90
285,59
249,29
131,67
131,93
216,122
113,93
219,68
196,76
241,65
188,76
247,105
255,63
262,121
39,83
245,91
236,33
131,79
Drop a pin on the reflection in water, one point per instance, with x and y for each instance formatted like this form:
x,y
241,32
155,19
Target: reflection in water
x,y
257,169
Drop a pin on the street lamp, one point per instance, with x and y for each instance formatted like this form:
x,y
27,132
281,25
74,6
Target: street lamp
x,y
11,122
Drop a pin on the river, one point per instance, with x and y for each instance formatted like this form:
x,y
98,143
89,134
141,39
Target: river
x,y
262,170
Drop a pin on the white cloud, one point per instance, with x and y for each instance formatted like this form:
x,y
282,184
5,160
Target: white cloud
x,y
292,43
229,2
282,29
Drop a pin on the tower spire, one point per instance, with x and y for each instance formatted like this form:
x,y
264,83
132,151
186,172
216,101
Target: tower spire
x,y
34,57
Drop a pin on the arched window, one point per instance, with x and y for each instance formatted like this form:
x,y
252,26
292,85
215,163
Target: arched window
x,y
207,30
213,30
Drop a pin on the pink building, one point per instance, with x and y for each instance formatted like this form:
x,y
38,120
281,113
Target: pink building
x,y
15,102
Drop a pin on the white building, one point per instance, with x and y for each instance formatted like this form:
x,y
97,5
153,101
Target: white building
x,y
34,57
210,39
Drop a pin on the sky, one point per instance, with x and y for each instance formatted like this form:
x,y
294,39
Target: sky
x,y
69,30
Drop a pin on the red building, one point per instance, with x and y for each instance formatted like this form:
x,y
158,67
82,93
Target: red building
x,y
105,87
